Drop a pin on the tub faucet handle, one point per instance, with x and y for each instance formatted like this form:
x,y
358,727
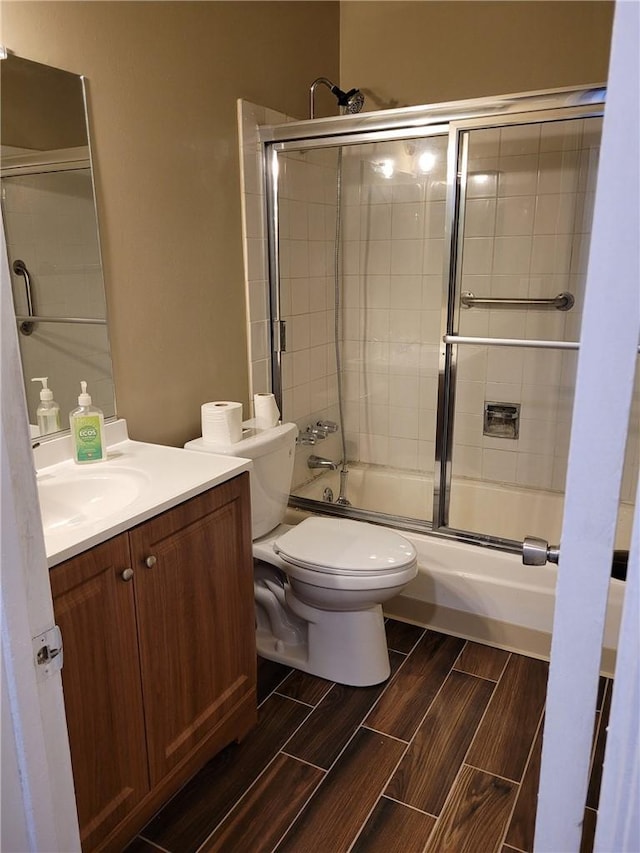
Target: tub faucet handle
x,y
306,437
328,426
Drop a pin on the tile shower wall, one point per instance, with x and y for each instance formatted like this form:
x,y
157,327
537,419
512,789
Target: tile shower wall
x,y
527,224
527,221
307,186
393,241
50,224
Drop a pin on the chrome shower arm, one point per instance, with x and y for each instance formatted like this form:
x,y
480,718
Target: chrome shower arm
x,y
312,92
351,101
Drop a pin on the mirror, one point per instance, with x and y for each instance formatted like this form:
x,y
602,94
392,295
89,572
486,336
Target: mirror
x,y
51,229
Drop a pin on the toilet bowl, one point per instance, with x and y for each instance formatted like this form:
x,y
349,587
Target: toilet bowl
x,y
319,585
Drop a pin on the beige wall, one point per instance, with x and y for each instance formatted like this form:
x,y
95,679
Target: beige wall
x,y
405,53
163,82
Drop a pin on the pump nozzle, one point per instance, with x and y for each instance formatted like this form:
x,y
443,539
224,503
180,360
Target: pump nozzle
x,y
84,399
46,393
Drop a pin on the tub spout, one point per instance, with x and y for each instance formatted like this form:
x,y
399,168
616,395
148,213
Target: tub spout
x,y
320,462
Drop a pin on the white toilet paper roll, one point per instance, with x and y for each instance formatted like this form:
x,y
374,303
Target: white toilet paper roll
x,y
266,410
221,422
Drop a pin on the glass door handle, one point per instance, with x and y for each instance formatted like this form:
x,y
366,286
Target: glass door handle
x,y
537,552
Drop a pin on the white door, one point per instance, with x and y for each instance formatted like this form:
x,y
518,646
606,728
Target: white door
x,y
606,367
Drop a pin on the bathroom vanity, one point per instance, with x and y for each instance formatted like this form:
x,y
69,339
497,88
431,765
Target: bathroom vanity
x,y
158,632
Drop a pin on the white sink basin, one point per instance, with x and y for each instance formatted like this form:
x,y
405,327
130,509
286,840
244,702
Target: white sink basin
x,y
78,496
84,505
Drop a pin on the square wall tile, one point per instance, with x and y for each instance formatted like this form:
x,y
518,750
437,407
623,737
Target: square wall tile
x,y
514,215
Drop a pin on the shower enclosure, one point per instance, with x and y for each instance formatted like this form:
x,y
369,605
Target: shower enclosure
x,y
427,270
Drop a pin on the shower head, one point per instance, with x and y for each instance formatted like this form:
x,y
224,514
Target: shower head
x,y
351,101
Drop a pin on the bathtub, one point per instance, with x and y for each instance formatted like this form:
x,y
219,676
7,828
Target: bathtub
x,y
468,590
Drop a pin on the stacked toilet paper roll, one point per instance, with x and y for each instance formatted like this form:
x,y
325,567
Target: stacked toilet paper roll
x,y
265,410
221,422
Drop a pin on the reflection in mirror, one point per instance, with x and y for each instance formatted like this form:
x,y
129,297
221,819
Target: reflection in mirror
x,y
48,211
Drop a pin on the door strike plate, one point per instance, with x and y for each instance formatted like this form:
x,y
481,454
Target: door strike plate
x,y
47,653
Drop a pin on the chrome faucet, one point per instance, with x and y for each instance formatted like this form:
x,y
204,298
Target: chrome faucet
x,y
320,462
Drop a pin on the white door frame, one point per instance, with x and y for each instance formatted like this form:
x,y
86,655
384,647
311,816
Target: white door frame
x,y
606,369
38,800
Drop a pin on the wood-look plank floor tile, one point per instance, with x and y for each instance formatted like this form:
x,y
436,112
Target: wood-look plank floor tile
x,y
304,687
436,753
407,698
523,820
483,661
334,721
337,811
505,736
402,636
595,780
588,830
394,828
270,676
141,845
264,814
475,815
195,811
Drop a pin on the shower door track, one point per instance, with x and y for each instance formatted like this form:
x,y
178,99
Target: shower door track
x,y
454,119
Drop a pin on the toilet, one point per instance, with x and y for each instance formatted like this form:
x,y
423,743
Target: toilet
x,y
319,585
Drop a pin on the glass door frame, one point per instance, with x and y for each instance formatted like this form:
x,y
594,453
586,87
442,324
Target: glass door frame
x,y
456,119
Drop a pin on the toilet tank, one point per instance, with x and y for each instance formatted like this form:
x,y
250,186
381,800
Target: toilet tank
x,y
272,452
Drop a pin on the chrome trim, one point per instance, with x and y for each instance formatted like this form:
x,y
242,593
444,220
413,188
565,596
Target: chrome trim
x,y
510,342
270,176
419,116
400,522
538,552
563,301
513,342
356,139
84,321
455,202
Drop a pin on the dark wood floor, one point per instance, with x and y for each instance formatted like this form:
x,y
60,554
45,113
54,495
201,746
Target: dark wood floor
x,y
445,756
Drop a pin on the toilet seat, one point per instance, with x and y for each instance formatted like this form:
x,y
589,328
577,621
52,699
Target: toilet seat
x,y
342,548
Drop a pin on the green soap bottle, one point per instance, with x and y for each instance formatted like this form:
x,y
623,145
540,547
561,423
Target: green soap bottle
x,y
87,430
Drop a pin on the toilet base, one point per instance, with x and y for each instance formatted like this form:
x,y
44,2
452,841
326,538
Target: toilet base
x,y
348,647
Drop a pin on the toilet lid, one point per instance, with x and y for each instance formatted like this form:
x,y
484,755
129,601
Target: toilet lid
x,y
340,546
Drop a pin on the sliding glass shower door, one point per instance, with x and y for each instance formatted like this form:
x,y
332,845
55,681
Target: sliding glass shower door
x,y
428,274
361,238
524,223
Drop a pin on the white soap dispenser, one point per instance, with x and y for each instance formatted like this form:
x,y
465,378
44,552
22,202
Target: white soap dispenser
x,y
87,430
48,412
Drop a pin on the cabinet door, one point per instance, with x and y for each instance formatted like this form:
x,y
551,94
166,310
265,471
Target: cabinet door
x,y
94,607
196,619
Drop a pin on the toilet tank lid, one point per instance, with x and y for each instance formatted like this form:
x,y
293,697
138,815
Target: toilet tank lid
x,y
342,545
254,442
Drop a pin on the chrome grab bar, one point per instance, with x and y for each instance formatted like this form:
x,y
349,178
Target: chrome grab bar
x,y
85,321
537,552
20,268
563,301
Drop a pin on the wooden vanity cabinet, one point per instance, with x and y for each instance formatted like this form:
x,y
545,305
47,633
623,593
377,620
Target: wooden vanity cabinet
x,y
159,668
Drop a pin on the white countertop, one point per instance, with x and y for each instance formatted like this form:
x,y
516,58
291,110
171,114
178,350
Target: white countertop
x,y
156,478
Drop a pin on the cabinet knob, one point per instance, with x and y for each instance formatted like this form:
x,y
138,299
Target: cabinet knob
x,y
150,561
127,574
